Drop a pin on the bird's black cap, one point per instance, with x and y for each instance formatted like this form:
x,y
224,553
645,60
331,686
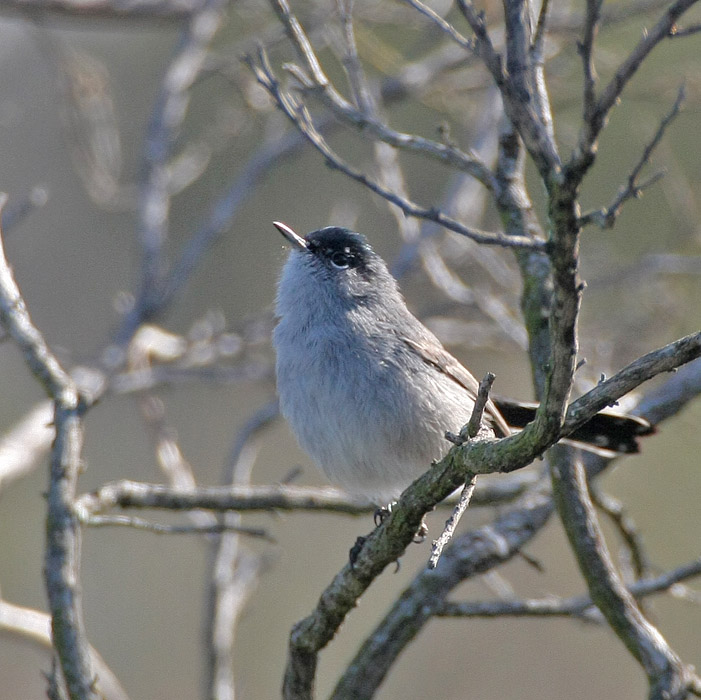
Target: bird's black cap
x,y
336,246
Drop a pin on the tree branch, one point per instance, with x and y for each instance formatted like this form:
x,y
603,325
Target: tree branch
x,y
576,606
298,114
599,110
667,677
62,561
606,218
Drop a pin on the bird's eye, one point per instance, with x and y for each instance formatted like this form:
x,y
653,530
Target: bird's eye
x,y
340,259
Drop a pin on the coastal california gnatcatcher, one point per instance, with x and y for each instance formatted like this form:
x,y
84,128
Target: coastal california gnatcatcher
x,y
367,389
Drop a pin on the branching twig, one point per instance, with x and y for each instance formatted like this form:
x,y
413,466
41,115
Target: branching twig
x,y
606,393
469,554
615,510
606,218
299,116
169,113
586,51
598,113
317,83
62,562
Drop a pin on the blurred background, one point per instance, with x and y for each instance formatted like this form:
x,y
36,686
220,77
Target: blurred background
x,y
78,95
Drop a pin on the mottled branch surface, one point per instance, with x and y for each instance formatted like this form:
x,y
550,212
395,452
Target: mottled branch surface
x,y
62,557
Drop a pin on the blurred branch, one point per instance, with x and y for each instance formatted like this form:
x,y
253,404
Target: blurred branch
x,y
26,442
35,626
669,398
235,570
161,529
62,558
577,606
109,9
628,530
171,107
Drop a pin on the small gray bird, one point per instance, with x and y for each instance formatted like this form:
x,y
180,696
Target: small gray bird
x,y
367,389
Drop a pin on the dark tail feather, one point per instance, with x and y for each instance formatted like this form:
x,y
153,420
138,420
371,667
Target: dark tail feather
x,y
608,430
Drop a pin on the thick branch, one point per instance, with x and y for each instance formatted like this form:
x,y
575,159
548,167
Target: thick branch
x,y
665,359
389,540
470,554
667,676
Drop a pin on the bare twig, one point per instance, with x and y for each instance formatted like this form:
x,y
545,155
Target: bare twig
x,y
169,113
132,494
62,562
627,528
446,27
606,218
299,116
576,606
481,400
318,84
439,544
584,155
666,400
664,359
586,50
136,523
235,569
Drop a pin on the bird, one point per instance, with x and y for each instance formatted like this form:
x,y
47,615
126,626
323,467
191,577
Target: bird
x,y
367,389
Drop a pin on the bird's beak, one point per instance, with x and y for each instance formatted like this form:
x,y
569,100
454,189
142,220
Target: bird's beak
x,y
297,242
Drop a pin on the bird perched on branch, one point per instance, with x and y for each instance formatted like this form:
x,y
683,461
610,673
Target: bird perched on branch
x,y
367,389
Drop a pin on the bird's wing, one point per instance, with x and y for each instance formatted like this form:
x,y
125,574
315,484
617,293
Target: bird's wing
x,y
434,354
